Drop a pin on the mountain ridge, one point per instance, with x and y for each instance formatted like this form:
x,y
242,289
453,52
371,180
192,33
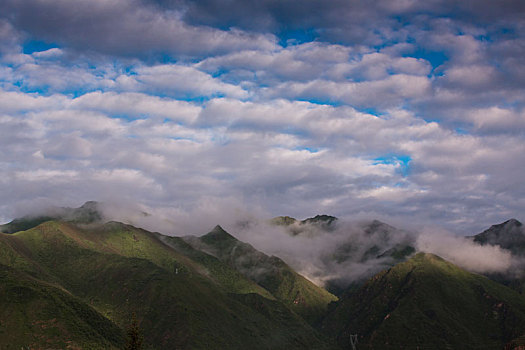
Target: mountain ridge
x,y
216,291
270,272
118,269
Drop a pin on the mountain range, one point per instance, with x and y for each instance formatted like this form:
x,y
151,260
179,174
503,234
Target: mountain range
x,y
69,279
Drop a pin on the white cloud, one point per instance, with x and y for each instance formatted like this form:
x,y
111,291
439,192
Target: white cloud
x,y
391,91
182,80
42,175
465,253
136,105
231,113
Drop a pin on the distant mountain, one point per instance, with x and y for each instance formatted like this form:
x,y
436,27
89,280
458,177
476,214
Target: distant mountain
x,y
296,227
428,303
283,220
351,252
508,235
87,213
381,241
326,222
63,283
270,272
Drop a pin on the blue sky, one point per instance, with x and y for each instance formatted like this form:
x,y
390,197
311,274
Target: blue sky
x,y
406,111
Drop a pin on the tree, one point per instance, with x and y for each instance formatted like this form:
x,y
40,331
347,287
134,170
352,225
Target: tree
x,y
135,337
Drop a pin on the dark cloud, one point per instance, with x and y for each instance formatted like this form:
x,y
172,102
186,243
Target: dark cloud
x,y
347,21
186,27
123,28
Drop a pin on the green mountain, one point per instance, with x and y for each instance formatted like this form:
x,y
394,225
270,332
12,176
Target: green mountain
x,y
73,282
36,314
229,278
270,272
81,283
428,303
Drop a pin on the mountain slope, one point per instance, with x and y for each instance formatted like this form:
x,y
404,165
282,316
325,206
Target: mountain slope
x,y
118,269
229,278
35,314
295,291
508,235
430,303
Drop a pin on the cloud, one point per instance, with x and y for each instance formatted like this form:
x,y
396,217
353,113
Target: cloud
x,y
141,29
385,93
136,105
9,38
178,80
349,252
466,253
267,104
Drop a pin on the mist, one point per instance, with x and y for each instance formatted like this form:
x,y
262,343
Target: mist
x,y
465,253
337,255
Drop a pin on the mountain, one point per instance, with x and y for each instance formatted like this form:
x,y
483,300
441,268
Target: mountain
x,y
270,272
379,240
283,221
70,280
87,213
349,252
81,283
229,278
427,302
307,226
508,235
326,222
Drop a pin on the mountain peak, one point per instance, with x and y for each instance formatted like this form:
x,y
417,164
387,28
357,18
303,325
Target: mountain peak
x,y
218,229
512,222
90,205
376,225
323,218
218,234
89,212
283,221
508,235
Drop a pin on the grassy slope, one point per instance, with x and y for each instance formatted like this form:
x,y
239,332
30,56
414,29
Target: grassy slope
x,y
229,278
295,291
430,303
23,224
35,314
119,269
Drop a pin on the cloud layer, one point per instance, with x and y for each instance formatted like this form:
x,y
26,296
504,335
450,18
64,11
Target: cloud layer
x,y
405,111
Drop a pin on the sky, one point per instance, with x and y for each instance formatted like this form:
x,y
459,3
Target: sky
x,y
407,111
